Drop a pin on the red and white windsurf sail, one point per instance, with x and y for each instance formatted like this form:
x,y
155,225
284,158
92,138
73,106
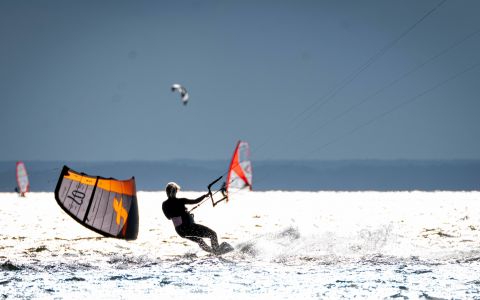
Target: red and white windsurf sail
x,y
22,178
239,174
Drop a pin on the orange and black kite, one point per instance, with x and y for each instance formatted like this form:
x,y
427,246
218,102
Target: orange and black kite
x,y
105,205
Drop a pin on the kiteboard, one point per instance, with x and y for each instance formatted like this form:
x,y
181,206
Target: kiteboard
x,y
224,248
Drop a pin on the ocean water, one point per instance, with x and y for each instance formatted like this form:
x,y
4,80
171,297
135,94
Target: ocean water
x,y
288,245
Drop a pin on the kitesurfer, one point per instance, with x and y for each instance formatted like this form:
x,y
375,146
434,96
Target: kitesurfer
x,y
175,210
223,190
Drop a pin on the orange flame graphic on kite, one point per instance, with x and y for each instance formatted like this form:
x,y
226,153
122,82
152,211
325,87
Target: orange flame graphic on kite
x,y
120,210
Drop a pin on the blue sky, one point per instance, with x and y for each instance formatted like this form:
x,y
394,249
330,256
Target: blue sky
x,y
90,80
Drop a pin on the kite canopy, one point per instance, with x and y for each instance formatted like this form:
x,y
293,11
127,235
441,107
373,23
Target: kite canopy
x,y
22,178
105,205
240,171
183,92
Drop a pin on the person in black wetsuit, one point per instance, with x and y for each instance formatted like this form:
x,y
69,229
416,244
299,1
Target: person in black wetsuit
x,y
175,210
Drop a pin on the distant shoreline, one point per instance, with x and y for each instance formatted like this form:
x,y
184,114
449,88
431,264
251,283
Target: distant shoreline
x,y
193,175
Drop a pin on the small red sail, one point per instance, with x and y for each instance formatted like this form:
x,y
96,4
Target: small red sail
x,y
22,178
240,171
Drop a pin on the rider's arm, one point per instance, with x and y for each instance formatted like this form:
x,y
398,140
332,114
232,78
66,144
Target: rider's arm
x,y
195,201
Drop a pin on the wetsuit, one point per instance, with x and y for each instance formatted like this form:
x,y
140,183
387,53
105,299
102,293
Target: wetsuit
x,y
175,210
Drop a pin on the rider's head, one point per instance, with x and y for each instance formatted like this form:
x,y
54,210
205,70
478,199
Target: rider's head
x,y
172,189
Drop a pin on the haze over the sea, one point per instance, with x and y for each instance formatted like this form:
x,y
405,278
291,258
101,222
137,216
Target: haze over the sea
x,y
194,175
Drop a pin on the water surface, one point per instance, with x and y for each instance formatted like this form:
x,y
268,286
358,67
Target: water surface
x,y
288,245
